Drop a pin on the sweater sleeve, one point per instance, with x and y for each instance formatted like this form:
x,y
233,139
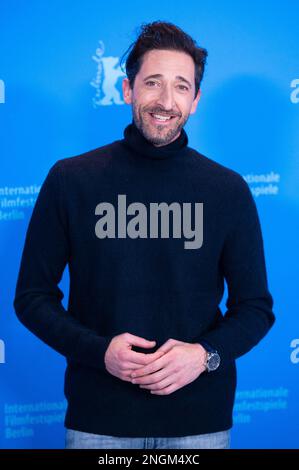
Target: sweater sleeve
x,y
37,300
249,313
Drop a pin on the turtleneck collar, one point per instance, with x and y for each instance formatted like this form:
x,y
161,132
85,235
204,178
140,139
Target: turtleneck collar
x,y
135,140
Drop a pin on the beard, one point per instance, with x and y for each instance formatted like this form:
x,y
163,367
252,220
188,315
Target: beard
x,y
158,134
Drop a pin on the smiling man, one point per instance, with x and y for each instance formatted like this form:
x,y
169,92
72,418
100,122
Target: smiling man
x,y
150,356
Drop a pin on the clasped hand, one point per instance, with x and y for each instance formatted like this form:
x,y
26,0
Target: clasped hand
x,y
174,365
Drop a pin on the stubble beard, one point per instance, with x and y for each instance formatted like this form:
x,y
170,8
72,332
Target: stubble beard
x,y
156,134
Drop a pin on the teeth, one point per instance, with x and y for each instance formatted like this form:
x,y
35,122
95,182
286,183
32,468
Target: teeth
x,y
162,118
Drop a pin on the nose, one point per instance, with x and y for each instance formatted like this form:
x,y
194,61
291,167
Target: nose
x,y
166,98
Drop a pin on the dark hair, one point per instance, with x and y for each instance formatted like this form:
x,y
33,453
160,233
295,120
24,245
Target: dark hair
x,y
167,36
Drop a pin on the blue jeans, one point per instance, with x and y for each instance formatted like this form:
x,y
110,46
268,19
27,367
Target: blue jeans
x,y
84,440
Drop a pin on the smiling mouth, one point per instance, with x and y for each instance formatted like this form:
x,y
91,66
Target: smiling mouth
x,y
161,118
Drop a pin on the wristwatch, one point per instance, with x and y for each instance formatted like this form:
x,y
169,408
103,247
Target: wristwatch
x,y
212,358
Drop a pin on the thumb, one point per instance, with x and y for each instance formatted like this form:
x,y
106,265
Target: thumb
x,y
142,342
166,347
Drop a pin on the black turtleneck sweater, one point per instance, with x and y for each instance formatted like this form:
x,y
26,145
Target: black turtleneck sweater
x,y
144,279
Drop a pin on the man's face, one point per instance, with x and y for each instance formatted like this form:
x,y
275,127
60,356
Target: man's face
x,y
164,87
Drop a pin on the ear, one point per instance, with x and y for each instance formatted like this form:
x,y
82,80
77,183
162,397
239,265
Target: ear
x,y
195,102
127,92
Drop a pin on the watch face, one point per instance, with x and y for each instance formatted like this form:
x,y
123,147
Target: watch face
x,y
213,361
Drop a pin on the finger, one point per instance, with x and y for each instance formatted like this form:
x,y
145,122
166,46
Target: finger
x,y
152,367
153,378
166,382
166,347
142,359
166,391
129,366
139,341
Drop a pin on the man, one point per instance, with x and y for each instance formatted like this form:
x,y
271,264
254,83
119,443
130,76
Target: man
x,y
150,229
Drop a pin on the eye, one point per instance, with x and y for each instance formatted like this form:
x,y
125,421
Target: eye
x,y
183,87
151,81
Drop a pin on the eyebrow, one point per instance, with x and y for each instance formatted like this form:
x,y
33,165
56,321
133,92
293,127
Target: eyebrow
x,y
159,75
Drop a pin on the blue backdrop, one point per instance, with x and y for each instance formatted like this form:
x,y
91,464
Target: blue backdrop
x,y
60,95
